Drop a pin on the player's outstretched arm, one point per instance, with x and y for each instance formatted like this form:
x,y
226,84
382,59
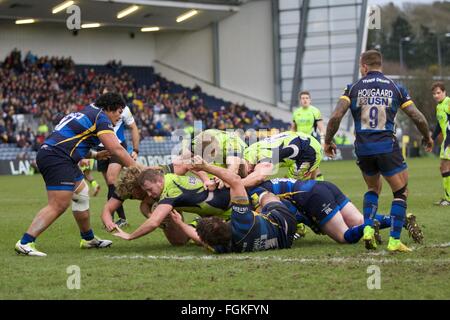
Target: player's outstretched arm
x,y
333,125
112,144
155,220
108,211
421,123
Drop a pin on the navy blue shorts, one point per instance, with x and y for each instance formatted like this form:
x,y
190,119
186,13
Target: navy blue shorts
x,y
388,164
278,213
102,165
322,202
59,172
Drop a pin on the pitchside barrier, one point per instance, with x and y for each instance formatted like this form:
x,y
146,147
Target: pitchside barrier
x,y
27,167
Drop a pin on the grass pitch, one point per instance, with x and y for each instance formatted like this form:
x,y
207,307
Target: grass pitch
x,y
149,268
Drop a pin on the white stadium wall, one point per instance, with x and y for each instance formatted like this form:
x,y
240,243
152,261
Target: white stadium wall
x,y
246,51
246,63
90,46
245,42
191,52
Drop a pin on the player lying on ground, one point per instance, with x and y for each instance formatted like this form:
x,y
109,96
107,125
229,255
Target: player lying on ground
x,y
331,211
58,159
183,193
247,230
127,187
298,152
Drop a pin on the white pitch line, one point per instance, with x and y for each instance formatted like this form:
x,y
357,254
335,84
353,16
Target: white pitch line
x,y
337,260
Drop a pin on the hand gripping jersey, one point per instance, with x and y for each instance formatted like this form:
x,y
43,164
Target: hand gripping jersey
x,y
78,132
375,100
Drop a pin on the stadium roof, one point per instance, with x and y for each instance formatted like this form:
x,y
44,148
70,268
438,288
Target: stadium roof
x,y
151,12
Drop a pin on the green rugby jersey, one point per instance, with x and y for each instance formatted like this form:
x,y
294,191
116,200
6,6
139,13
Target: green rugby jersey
x,y
186,193
230,144
306,118
299,152
443,117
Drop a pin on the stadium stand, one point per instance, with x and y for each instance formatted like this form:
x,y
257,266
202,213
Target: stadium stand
x,y
40,87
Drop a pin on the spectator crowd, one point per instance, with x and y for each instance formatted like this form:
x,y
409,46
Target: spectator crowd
x,y
46,86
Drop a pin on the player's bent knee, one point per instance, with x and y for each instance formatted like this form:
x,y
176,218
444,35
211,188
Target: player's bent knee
x,y
80,200
59,207
401,194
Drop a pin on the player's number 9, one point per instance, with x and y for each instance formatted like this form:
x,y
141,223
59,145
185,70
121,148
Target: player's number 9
x,y
373,117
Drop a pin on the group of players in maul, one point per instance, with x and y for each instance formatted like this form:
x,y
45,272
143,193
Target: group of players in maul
x,y
227,183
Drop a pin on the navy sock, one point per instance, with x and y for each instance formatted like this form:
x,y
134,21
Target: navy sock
x,y
120,211
111,189
27,238
398,214
88,235
385,221
370,207
354,234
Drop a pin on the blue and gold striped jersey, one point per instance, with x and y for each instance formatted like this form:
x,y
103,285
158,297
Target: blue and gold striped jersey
x,y
375,100
78,132
252,231
286,189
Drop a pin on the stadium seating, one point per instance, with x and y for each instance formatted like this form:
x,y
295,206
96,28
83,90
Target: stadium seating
x,y
87,84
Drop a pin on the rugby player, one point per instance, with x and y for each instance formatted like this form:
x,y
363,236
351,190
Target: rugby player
x,y
127,187
329,210
247,230
86,165
307,119
58,159
110,168
183,193
442,115
374,101
298,152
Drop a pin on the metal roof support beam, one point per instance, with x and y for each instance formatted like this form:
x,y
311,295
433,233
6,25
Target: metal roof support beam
x,y
299,56
216,54
177,4
276,50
